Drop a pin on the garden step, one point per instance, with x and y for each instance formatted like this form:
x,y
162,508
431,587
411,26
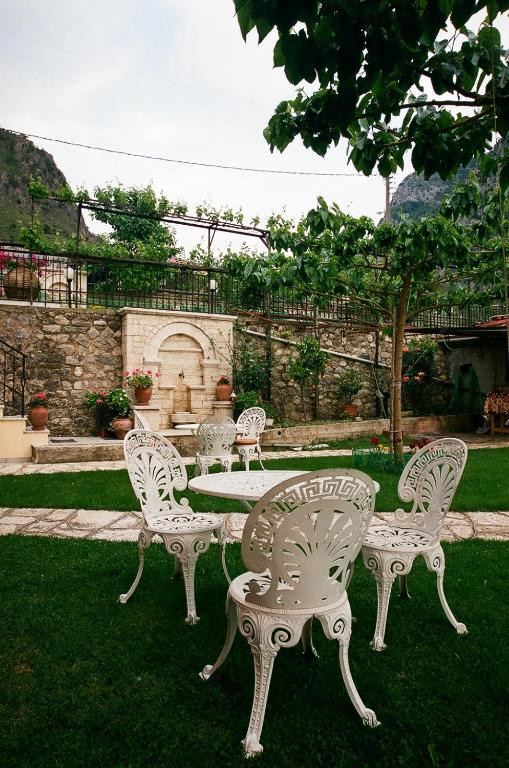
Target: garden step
x,y
17,438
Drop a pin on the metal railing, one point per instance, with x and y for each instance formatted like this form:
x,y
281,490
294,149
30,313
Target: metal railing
x,y
89,281
12,378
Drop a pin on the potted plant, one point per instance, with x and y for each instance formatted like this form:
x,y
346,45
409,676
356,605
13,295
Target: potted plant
x,y
223,388
142,383
349,384
21,278
38,412
119,405
98,400
270,414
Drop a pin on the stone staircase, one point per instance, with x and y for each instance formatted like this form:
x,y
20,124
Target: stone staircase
x,y
17,438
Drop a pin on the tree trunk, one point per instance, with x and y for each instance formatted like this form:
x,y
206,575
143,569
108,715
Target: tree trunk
x,y
303,403
316,399
398,338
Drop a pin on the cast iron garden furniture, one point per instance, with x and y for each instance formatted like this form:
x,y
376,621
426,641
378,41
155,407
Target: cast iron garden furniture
x,y
215,441
299,544
156,471
250,426
428,482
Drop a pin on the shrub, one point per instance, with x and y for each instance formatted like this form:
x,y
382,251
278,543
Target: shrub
x,y
349,384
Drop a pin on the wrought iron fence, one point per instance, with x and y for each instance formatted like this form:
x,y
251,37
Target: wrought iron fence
x,y
12,378
85,281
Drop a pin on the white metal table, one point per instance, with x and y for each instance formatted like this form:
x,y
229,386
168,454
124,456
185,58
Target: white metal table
x,y
247,487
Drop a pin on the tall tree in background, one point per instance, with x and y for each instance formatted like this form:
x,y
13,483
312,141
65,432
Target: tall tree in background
x,y
389,76
394,270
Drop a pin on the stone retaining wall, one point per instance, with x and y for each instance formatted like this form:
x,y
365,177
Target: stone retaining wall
x,y
68,351
286,396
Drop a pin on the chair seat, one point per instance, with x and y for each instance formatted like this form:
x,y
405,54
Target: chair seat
x,y
245,441
259,583
183,522
396,538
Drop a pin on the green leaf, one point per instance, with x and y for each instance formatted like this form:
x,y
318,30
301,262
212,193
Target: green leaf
x,y
462,11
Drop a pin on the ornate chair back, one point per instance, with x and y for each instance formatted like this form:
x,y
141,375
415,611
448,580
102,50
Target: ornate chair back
x,y
429,482
251,422
156,471
216,436
140,421
303,536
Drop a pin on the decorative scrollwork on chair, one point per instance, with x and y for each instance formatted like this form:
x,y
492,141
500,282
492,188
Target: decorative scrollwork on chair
x,y
428,482
156,471
300,542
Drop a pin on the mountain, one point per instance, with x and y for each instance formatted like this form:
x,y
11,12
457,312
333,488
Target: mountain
x,y
416,197
20,160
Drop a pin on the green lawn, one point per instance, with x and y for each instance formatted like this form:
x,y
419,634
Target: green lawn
x,y
85,681
483,486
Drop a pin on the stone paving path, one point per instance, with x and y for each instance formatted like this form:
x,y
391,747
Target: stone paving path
x,y
124,526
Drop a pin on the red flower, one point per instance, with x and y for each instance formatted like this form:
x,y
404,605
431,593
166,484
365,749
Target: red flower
x,y
42,395
374,440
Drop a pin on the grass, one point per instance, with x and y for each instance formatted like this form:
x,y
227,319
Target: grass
x,y
85,681
483,486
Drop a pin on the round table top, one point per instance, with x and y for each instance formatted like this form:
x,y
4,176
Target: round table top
x,y
244,486
248,486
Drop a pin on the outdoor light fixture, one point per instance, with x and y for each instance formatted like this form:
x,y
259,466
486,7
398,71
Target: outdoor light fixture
x,y
213,286
69,276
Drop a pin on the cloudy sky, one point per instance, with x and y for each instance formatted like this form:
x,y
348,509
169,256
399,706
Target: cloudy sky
x,y
162,77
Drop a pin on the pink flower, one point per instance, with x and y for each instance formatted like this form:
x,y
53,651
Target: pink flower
x,y
157,375
42,395
126,373
149,371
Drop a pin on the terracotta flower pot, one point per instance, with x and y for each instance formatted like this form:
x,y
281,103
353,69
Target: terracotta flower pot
x,y
351,410
121,426
223,391
38,417
22,284
143,395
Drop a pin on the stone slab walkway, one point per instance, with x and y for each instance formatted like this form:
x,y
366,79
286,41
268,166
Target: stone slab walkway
x,y
124,526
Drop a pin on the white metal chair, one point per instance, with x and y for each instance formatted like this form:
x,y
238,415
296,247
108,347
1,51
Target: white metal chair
x,y
140,422
250,426
429,482
299,542
215,441
156,471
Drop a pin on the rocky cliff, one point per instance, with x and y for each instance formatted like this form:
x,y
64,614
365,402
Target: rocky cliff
x,y
20,160
416,197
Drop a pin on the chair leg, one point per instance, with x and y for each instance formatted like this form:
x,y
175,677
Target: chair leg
x,y
308,649
144,541
338,626
246,456
259,452
226,463
384,566
266,634
435,562
231,631
187,549
221,540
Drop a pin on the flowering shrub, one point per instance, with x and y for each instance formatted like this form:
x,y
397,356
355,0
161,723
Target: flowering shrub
x,y
497,402
419,442
29,261
38,400
108,405
139,379
223,380
376,445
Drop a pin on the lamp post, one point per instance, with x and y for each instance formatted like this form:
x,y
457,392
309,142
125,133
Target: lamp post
x,y
213,286
69,276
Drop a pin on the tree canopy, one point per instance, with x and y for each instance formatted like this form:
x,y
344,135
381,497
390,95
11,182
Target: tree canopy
x,y
390,76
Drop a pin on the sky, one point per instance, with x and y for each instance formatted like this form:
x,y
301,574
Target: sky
x,y
172,78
